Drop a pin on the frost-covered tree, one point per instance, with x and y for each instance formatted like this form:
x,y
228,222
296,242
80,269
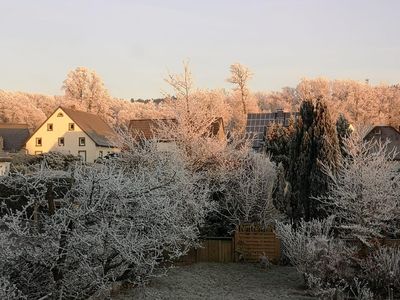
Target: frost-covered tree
x,y
183,86
82,229
248,191
87,87
364,190
240,75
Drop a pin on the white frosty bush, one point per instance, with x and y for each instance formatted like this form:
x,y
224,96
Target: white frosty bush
x,y
364,193
326,262
114,221
9,291
382,268
248,191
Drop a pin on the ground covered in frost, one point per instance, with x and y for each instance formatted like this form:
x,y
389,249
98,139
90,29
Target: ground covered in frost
x,y
222,281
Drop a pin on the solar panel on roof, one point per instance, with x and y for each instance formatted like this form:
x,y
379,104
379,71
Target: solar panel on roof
x,y
257,123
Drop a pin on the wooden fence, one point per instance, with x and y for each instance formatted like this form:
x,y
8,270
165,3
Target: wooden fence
x,y
213,249
248,244
392,243
252,241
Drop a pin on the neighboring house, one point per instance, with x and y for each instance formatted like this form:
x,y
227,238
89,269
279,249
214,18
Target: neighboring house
x,y
258,123
148,128
70,131
5,160
13,137
385,133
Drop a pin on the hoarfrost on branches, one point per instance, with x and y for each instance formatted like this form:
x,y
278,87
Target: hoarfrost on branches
x,y
364,193
84,228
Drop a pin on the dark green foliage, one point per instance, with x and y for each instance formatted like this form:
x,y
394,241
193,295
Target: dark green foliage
x,y
216,223
282,192
343,130
54,160
314,142
277,142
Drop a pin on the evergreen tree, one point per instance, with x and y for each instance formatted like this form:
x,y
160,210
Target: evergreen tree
x,y
343,130
314,141
277,142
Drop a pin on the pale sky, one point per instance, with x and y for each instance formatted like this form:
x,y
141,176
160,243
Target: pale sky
x,y
132,44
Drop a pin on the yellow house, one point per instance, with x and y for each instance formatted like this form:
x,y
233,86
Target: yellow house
x,y
73,132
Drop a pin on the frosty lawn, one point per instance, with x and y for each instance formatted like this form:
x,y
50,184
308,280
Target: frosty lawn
x,y
222,281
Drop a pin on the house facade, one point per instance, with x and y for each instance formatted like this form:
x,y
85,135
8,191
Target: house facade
x,y
383,134
73,132
5,163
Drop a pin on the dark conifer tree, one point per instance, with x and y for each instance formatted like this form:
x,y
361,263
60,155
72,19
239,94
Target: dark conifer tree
x,y
343,130
277,142
315,141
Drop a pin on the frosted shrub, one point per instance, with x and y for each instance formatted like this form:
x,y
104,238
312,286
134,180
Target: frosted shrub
x,y
382,268
315,253
364,193
82,229
360,291
248,191
9,291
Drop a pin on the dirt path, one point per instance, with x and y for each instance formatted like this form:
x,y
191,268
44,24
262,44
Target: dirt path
x,y
222,281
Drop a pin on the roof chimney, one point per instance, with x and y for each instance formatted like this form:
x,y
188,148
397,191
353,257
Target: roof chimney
x,y
279,113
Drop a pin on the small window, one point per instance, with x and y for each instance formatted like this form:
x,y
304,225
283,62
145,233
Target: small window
x,y
60,115
38,152
61,141
82,141
71,126
101,154
39,141
49,127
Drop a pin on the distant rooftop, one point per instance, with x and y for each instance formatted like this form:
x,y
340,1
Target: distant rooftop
x,y
385,133
13,136
146,128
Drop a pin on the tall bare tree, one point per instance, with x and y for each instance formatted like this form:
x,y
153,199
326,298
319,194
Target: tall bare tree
x,y
182,84
240,75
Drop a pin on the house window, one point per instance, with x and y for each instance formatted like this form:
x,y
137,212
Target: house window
x,y
82,141
61,141
49,127
100,153
82,155
39,142
71,126
38,152
60,115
